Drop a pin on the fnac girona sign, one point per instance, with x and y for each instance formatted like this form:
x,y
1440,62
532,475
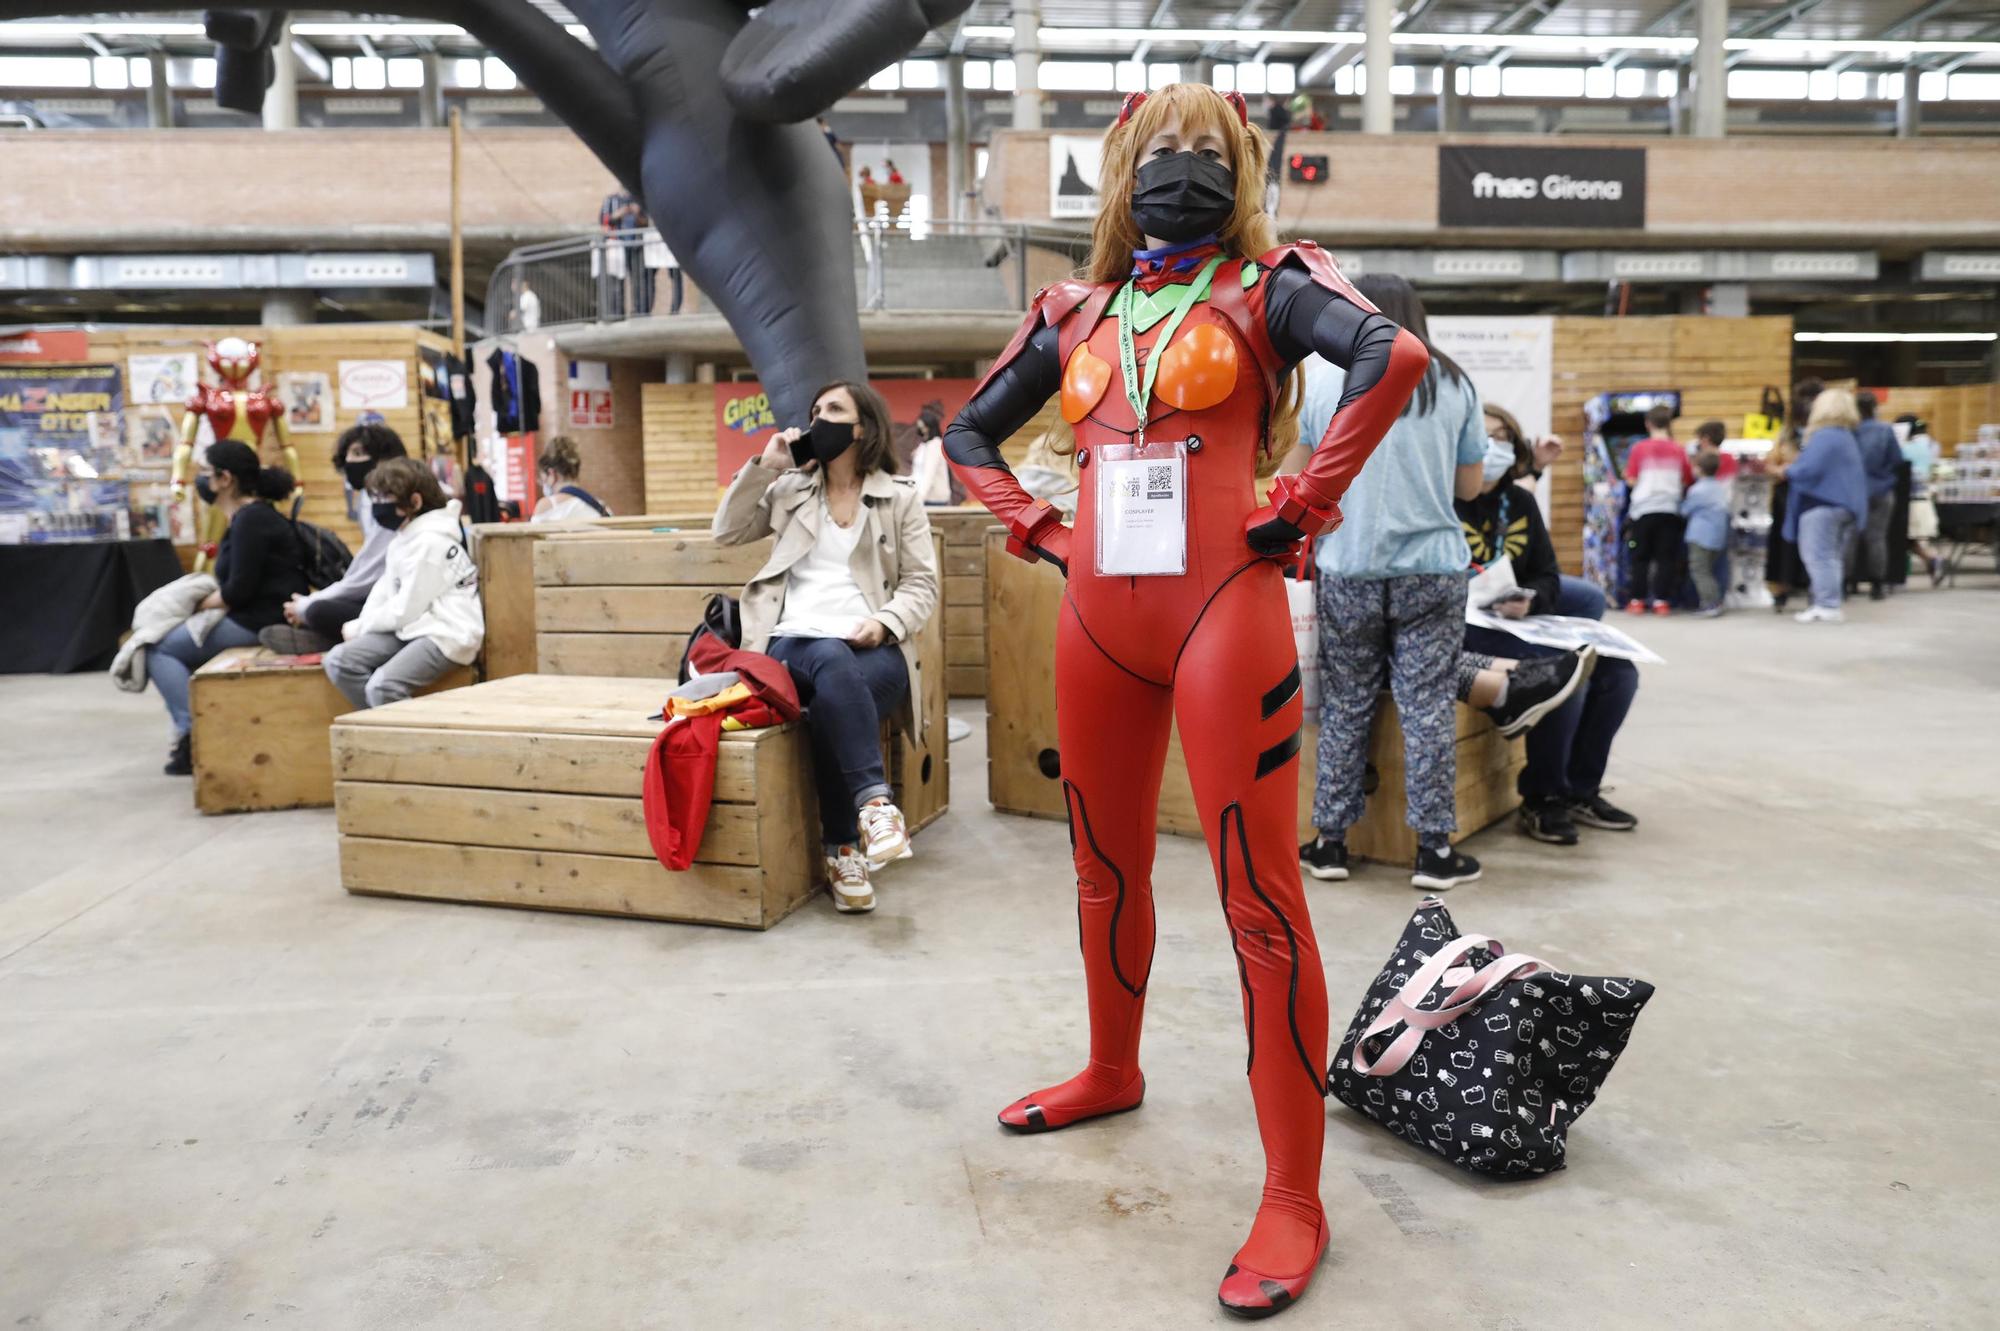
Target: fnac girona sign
x,y
1547,188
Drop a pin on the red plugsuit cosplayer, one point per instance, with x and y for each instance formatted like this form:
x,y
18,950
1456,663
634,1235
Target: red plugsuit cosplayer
x,y
1210,649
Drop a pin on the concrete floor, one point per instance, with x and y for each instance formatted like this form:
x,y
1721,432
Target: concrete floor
x,y
232,1095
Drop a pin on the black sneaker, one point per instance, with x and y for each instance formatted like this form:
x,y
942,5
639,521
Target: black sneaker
x,y
1546,818
1324,859
288,641
1441,870
1596,811
180,762
1533,693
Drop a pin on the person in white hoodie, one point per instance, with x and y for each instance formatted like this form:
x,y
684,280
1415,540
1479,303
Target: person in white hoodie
x,y
423,615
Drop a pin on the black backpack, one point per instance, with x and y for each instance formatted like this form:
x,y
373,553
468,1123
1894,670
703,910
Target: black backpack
x,y
722,619
325,555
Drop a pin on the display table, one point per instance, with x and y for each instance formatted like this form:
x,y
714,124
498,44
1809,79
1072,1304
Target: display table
x,y
1964,526
66,604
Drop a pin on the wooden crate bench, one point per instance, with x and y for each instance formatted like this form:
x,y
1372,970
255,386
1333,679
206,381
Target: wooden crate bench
x,y
527,791
624,603
1023,760
964,530
260,726
505,553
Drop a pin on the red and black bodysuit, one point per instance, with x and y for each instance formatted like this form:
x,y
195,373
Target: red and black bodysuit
x,y
1210,649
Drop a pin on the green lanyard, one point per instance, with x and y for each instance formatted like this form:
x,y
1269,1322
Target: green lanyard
x,y
1136,393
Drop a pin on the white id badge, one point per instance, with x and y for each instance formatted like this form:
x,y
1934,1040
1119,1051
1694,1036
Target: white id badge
x,y
1141,509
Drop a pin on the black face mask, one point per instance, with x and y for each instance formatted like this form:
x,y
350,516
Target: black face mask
x,y
205,487
826,440
357,472
1183,197
386,516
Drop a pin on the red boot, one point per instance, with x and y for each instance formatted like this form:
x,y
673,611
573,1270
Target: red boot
x,y
1253,1294
1029,1114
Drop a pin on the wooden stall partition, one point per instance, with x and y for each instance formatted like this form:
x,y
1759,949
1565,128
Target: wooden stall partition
x,y
1953,413
679,444
1719,365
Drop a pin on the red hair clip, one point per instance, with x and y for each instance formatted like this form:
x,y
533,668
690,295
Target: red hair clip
x,y
1235,99
1132,103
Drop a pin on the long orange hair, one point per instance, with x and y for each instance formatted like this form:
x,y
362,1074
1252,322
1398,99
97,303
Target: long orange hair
x,y
1248,233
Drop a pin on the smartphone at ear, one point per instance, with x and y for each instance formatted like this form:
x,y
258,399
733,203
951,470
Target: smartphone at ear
x,y
802,449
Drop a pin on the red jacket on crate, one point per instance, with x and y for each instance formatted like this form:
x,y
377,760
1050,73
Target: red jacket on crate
x,y
1171,365
736,690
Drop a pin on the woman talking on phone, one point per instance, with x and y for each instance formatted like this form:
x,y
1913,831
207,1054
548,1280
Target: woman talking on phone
x,y
1173,361
852,579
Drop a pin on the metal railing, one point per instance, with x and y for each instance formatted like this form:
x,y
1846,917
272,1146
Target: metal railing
x,y
898,265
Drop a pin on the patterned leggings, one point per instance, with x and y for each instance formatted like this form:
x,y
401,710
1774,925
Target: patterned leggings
x,y
1412,628
1469,666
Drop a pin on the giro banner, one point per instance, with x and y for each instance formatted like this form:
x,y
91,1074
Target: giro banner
x,y
1542,187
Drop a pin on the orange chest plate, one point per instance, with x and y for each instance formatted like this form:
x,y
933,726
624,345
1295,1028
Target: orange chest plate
x,y
258,409
1201,368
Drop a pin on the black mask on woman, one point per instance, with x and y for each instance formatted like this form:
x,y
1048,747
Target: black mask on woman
x,y
1183,197
357,473
825,440
205,487
386,516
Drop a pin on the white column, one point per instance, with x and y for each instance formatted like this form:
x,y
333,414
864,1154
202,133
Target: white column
x,y
159,97
281,102
1447,98
1909,107
1027,64
283,309
430,97
957,157
1711,76
1378,108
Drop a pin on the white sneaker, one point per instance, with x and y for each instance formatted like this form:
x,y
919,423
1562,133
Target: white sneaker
x,y
883,835
847,880
1815,614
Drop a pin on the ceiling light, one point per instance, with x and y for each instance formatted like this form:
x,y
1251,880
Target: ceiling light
x,y
1895,337
1543,42
28,32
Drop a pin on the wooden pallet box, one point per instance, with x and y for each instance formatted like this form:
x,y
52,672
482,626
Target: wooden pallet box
x,y
260,730
963,529
528,792
1024,761
624,603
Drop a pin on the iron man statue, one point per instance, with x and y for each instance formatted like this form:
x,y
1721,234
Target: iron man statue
x,y
233,410
1173,363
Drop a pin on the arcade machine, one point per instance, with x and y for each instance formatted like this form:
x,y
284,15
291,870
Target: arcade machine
x,y
1616,422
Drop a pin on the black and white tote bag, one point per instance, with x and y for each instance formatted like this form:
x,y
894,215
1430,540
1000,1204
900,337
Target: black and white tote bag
x,y
1482,1055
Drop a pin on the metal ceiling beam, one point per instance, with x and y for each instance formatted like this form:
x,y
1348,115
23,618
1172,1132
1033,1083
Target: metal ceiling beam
x,y
1770,23
1662,26
1263,53
1533,10
1159,16
1915,17
1249,10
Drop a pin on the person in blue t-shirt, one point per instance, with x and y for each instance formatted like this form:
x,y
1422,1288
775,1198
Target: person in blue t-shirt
x,y
1705,510
1391,598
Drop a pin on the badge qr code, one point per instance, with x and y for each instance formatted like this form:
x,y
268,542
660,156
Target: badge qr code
x,y
1159,482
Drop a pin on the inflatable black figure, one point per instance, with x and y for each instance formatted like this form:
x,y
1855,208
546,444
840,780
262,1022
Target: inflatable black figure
x,y
699,108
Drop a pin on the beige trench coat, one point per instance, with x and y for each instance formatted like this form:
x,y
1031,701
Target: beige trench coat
x,y
893,564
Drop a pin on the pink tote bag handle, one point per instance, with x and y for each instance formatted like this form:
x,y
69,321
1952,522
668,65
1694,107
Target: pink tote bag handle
x,y
1468,994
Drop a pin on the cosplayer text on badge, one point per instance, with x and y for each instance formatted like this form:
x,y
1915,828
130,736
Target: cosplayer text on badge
x,y
1141,510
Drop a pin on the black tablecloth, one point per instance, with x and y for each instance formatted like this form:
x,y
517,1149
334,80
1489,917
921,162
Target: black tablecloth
x,y
64,605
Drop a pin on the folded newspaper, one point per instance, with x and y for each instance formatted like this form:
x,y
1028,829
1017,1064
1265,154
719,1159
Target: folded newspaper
x,y
1566,632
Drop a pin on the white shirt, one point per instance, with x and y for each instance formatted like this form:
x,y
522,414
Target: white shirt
x,y
933,473
560,507
822,600
530,306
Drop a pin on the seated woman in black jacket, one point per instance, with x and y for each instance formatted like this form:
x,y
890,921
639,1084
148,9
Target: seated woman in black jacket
x,y
1569,747
258,568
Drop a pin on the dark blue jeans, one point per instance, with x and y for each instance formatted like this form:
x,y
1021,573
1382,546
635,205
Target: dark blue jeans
x,y
1568,748
845,692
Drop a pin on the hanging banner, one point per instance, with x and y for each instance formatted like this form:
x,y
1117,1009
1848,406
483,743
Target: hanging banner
x,y
1506,186
53,404
168,378
744,421
1074,162
60,346
1511,361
